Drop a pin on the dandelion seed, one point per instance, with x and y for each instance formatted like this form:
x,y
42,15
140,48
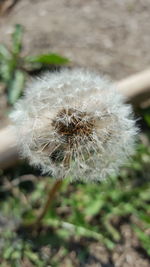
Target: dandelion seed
x,y
75,123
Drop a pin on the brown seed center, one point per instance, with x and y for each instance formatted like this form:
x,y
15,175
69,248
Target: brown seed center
x,y
71,123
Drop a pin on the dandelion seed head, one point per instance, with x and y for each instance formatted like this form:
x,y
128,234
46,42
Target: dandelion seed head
x,y
74,123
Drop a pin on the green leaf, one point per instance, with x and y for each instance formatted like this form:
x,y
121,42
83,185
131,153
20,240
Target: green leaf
x,y
53,59
94,207
17,39
115,234
34,258
8,252
147,118
144,238
16,255
4,53
16,88
6,71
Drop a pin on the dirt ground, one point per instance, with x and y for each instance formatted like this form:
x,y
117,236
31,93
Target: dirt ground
x,y
112,37
126,254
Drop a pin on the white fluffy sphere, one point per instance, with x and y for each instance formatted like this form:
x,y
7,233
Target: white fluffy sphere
x,y
74,123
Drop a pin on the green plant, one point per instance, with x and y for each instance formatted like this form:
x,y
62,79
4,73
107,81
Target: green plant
x,y
14,68
79,211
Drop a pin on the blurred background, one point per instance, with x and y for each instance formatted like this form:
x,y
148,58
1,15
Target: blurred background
x,y
105,224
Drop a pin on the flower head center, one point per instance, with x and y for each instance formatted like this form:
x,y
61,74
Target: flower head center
x,y
71,124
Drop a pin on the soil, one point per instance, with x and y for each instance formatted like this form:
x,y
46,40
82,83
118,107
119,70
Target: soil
x,y
112,37
126,254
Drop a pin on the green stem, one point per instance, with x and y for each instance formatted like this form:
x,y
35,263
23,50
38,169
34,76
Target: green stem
x,y
50,198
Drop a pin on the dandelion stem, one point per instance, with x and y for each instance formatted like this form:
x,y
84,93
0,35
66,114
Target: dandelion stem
x,y
51,195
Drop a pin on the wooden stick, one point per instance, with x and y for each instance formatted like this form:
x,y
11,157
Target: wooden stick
x,y
8,148
136,89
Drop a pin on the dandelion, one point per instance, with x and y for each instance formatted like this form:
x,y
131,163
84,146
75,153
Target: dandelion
x,y
74,123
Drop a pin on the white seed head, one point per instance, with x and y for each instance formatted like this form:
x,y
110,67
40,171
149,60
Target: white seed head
x,y
74,123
